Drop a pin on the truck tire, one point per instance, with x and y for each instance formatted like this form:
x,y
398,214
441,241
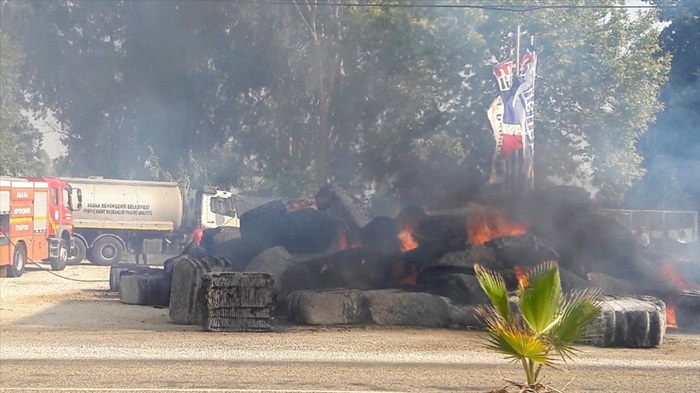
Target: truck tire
x,y
19,260
78,252
106,251
59,263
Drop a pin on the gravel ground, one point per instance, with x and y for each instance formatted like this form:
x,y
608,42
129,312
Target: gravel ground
x,y
64,336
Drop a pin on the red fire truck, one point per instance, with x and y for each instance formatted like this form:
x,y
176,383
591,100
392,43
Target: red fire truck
x,y
36,222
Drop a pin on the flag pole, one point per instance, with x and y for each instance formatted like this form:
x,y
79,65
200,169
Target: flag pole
x,y
531,164
516,156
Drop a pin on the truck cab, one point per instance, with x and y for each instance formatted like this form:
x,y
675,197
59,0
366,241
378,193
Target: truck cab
x,y
212,208
36,222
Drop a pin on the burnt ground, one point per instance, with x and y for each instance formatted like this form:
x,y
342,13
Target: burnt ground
x,y
60,335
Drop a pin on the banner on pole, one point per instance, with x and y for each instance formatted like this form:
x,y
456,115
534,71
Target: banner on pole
x,y
511,114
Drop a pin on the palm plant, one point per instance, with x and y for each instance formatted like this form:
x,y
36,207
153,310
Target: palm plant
x,y
546,324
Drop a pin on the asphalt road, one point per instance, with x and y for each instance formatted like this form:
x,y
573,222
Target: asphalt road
x,y
314,360
65,336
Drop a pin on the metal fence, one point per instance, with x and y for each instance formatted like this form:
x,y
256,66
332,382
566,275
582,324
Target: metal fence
x,y
681,226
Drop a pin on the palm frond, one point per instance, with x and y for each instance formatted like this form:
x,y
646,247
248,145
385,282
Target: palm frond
x,y
518,345
539,300
494,286
577,316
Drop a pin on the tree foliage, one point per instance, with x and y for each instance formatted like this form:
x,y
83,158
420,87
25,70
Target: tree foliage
x,y
283,97
19,142
672,146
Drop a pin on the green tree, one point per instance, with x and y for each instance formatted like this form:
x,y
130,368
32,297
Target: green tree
x,y
19,141
672,147
546,325
282,97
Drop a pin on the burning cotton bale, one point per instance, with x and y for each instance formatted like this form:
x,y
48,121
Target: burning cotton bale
x,y
352,268
523,250
445,232
381,235
485,256
460,288
687,310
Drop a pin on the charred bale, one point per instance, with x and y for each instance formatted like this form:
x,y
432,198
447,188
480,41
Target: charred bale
x,y
116,272
381,235
309,231
474,254
464,316
445,232
265,226
459,287
351,268
237,302
212,237
185,309
396,308
146,287
687,306
328,307
272,261
340,204
238,251
524,251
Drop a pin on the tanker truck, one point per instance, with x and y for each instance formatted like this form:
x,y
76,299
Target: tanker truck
x,y
144,217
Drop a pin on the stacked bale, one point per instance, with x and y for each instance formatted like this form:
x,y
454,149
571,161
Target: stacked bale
x,y
237,302
187,272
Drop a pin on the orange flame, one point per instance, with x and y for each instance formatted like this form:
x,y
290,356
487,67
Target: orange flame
x,y
411,278
489,223
407,240
521,274
671,316
670,272
403,274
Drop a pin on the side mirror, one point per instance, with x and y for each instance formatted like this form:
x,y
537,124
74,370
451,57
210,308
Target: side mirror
x,y
79,194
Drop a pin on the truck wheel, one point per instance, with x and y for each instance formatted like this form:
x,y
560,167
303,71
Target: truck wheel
x,y
19,259
77,253
59,263
107,251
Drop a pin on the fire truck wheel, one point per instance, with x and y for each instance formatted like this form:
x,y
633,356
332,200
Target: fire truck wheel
x,y
18,261
59,263
77,253
107,251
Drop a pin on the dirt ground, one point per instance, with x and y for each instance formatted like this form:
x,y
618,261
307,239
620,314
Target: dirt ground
x,y
70,333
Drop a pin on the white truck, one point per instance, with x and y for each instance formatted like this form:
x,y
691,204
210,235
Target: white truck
x,y
143,217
